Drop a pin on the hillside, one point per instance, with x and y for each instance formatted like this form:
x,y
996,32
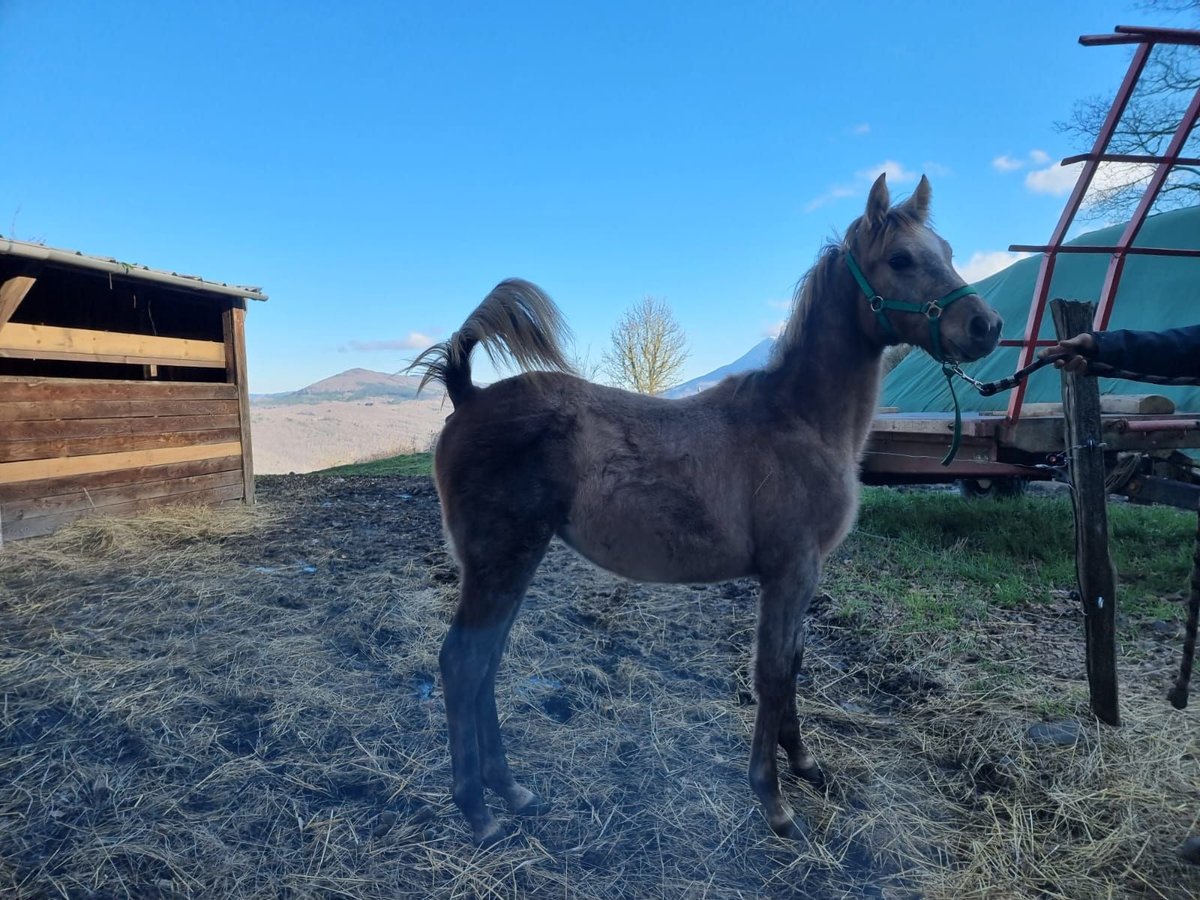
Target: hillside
x,y
354,416
755,358
351,385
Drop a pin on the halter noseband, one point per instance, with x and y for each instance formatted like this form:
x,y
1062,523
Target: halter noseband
x,y
932,310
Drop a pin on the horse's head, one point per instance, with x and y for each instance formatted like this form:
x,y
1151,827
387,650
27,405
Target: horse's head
x,y
909,291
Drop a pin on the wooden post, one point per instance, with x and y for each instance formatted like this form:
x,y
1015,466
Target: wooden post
x,y
1094,568
234,321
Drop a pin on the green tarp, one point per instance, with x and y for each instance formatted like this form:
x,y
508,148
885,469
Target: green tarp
x,y
1155,292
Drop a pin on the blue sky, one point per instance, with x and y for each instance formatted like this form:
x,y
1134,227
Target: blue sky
x,y
377,167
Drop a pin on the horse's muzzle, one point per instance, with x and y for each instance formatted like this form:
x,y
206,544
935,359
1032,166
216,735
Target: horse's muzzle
x,y
982,335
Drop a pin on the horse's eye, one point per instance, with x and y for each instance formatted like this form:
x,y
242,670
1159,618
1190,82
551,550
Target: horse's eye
x,y
900,261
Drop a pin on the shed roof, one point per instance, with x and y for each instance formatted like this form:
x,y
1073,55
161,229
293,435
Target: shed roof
x,y
74,259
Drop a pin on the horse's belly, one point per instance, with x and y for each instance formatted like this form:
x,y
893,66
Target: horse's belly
x,y
645,554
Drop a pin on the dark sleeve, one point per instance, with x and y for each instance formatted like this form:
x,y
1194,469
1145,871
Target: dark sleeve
x,y
1171,353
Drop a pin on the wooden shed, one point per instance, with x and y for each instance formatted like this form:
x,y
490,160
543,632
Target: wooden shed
x,y
121,388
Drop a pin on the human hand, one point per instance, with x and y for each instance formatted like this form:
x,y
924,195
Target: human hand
x,y
1074,352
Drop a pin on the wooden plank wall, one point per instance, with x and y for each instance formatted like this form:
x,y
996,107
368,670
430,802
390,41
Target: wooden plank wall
x,y
70,447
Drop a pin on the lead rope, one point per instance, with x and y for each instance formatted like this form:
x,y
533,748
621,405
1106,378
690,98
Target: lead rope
x,y
950,370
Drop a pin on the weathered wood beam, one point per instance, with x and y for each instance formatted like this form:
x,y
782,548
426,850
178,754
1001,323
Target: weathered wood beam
x,y
1094,568
234,321
84,345
55,410
42,390
33,469
12,292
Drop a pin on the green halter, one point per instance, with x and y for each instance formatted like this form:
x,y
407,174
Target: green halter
x,y
933,311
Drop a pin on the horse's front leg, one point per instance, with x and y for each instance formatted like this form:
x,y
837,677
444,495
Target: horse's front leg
x,y
784,601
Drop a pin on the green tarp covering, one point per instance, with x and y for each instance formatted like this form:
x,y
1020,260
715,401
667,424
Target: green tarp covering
x,y
1155,292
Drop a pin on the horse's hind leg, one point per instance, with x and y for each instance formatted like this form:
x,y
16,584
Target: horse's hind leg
x,y
785,599
492,590
494,761
800,760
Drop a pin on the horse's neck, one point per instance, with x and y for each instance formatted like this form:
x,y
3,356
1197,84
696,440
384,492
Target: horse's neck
x,y
831,374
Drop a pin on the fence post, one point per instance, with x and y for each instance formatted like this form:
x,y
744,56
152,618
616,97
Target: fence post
x,y
1093,566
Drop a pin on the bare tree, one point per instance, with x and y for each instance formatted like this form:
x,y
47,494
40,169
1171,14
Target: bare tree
x,y
1168,82
649,348
584,365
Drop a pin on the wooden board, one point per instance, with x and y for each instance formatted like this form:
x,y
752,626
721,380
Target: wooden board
x,y
61,429
31,527
30,470
1111,404
12,292
17,388
55,410
82,448
84,345
19,510
90,482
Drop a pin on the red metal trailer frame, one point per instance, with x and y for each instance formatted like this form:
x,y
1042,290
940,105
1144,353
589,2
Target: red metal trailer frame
x,y
1146,39
908,447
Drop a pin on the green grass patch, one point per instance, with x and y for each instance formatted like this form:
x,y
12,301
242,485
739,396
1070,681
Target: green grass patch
x,y
405,464
941,561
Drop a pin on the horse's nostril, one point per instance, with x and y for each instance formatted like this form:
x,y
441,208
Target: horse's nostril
x,y
980,328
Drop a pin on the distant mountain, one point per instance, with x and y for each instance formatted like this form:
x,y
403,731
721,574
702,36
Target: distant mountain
x,y
353,385
756,358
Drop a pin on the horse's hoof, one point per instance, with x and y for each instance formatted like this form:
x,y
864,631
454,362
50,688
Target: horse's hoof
x,y
812,774
489,835
788,828
1190,851
533,805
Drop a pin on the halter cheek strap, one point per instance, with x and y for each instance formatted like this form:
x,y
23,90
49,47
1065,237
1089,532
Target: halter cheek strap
x,y
933,311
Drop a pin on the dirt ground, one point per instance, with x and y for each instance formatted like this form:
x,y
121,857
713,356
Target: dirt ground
x,y
249,707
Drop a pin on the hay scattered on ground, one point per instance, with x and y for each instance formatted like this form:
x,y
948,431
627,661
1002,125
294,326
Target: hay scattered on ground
x,y
245,704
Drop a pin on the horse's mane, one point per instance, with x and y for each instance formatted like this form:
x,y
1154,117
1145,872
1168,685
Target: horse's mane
x,y
818,280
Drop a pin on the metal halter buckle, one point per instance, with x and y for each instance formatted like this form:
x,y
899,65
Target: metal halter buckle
x,y
876,303
933,311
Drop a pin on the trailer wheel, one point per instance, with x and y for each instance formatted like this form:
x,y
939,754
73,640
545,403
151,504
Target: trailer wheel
x,y
994,488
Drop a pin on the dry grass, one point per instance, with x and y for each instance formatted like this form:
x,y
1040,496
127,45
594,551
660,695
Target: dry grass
x,y
243,704
304,437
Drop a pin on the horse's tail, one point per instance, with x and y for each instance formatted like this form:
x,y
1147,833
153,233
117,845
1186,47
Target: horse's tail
x,y
1178,695
516,322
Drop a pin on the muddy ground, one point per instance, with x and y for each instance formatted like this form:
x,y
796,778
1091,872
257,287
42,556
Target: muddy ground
x,y
253,710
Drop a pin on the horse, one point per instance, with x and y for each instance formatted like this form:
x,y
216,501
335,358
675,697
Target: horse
x,y
756,476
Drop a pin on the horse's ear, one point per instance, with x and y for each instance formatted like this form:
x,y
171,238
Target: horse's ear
x,y
918,204
879,201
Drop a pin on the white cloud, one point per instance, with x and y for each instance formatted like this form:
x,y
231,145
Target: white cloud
x,y
1058,180
896,174
774,329
1006,163
837,192
414,341
861,129
988,262
1055,180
